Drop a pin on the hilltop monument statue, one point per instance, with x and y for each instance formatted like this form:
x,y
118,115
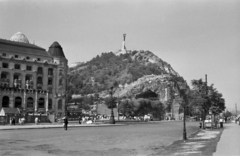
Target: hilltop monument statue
x,y
123,50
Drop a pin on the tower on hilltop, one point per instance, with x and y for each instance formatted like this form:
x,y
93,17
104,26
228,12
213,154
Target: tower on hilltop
x,y
123,45
123,50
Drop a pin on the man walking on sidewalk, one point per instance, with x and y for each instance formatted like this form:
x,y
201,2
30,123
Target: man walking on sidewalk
x,y
65,121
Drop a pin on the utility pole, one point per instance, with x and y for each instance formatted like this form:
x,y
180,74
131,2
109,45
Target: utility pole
x,y
204,112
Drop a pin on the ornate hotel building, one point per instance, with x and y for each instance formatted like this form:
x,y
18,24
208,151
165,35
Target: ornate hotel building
x,y
32,78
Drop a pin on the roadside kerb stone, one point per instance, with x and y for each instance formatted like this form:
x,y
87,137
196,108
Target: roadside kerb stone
x,y
16,127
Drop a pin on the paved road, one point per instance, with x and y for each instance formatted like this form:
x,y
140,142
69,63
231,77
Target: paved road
x,y
229,144
137,139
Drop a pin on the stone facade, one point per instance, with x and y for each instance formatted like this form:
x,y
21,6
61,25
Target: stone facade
x,y
32,78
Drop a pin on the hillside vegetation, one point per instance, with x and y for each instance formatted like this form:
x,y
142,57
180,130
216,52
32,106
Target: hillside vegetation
x,y
108,70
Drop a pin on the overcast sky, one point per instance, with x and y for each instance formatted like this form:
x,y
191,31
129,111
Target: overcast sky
x,y
195,37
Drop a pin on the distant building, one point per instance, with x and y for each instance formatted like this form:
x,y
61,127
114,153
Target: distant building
x,y
72,65
32,78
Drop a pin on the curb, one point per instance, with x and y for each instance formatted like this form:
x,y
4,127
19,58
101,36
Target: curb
x,y
59,126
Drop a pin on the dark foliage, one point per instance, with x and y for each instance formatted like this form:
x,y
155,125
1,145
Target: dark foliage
x,y
108,70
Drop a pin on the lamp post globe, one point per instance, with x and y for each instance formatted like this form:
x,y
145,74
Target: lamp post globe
x,y
112,120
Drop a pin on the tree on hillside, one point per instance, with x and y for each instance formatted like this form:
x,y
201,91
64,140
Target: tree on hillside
x,y
109,69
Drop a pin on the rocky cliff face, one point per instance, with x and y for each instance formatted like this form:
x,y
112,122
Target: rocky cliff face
x,y
155,83
146,57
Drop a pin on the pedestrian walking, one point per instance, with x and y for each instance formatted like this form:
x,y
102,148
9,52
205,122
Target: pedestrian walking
x,y
13,121
226,119
80,119
10,120
65,121
36,121
221,122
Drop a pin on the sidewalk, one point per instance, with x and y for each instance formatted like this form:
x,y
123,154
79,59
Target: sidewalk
x,y
42,126
229,144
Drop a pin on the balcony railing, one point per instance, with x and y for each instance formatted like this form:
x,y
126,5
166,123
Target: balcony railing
x,y
4,80
17,83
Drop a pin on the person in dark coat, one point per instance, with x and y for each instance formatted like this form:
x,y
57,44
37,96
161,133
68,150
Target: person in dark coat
x,y
13,121
80,119
65,120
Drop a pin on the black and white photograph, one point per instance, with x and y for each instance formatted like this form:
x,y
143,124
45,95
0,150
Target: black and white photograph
x,y
119,77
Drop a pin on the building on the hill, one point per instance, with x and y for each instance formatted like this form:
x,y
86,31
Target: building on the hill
x,y
32,78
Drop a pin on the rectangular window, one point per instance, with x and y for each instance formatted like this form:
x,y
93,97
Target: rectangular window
x,y
17,66
16,56
3,75
50,71
28,58
38,59
5,65
4,54
29,68
49,81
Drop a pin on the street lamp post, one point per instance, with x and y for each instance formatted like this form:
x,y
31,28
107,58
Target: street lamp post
x,y
183,92
112,121
184,124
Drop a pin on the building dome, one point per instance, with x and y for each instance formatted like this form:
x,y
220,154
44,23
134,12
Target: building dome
x,y
19,37
55,50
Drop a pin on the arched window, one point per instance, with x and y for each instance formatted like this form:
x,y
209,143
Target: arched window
x,y
18,102
60,104
30,102
49,103
41,103
5,101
